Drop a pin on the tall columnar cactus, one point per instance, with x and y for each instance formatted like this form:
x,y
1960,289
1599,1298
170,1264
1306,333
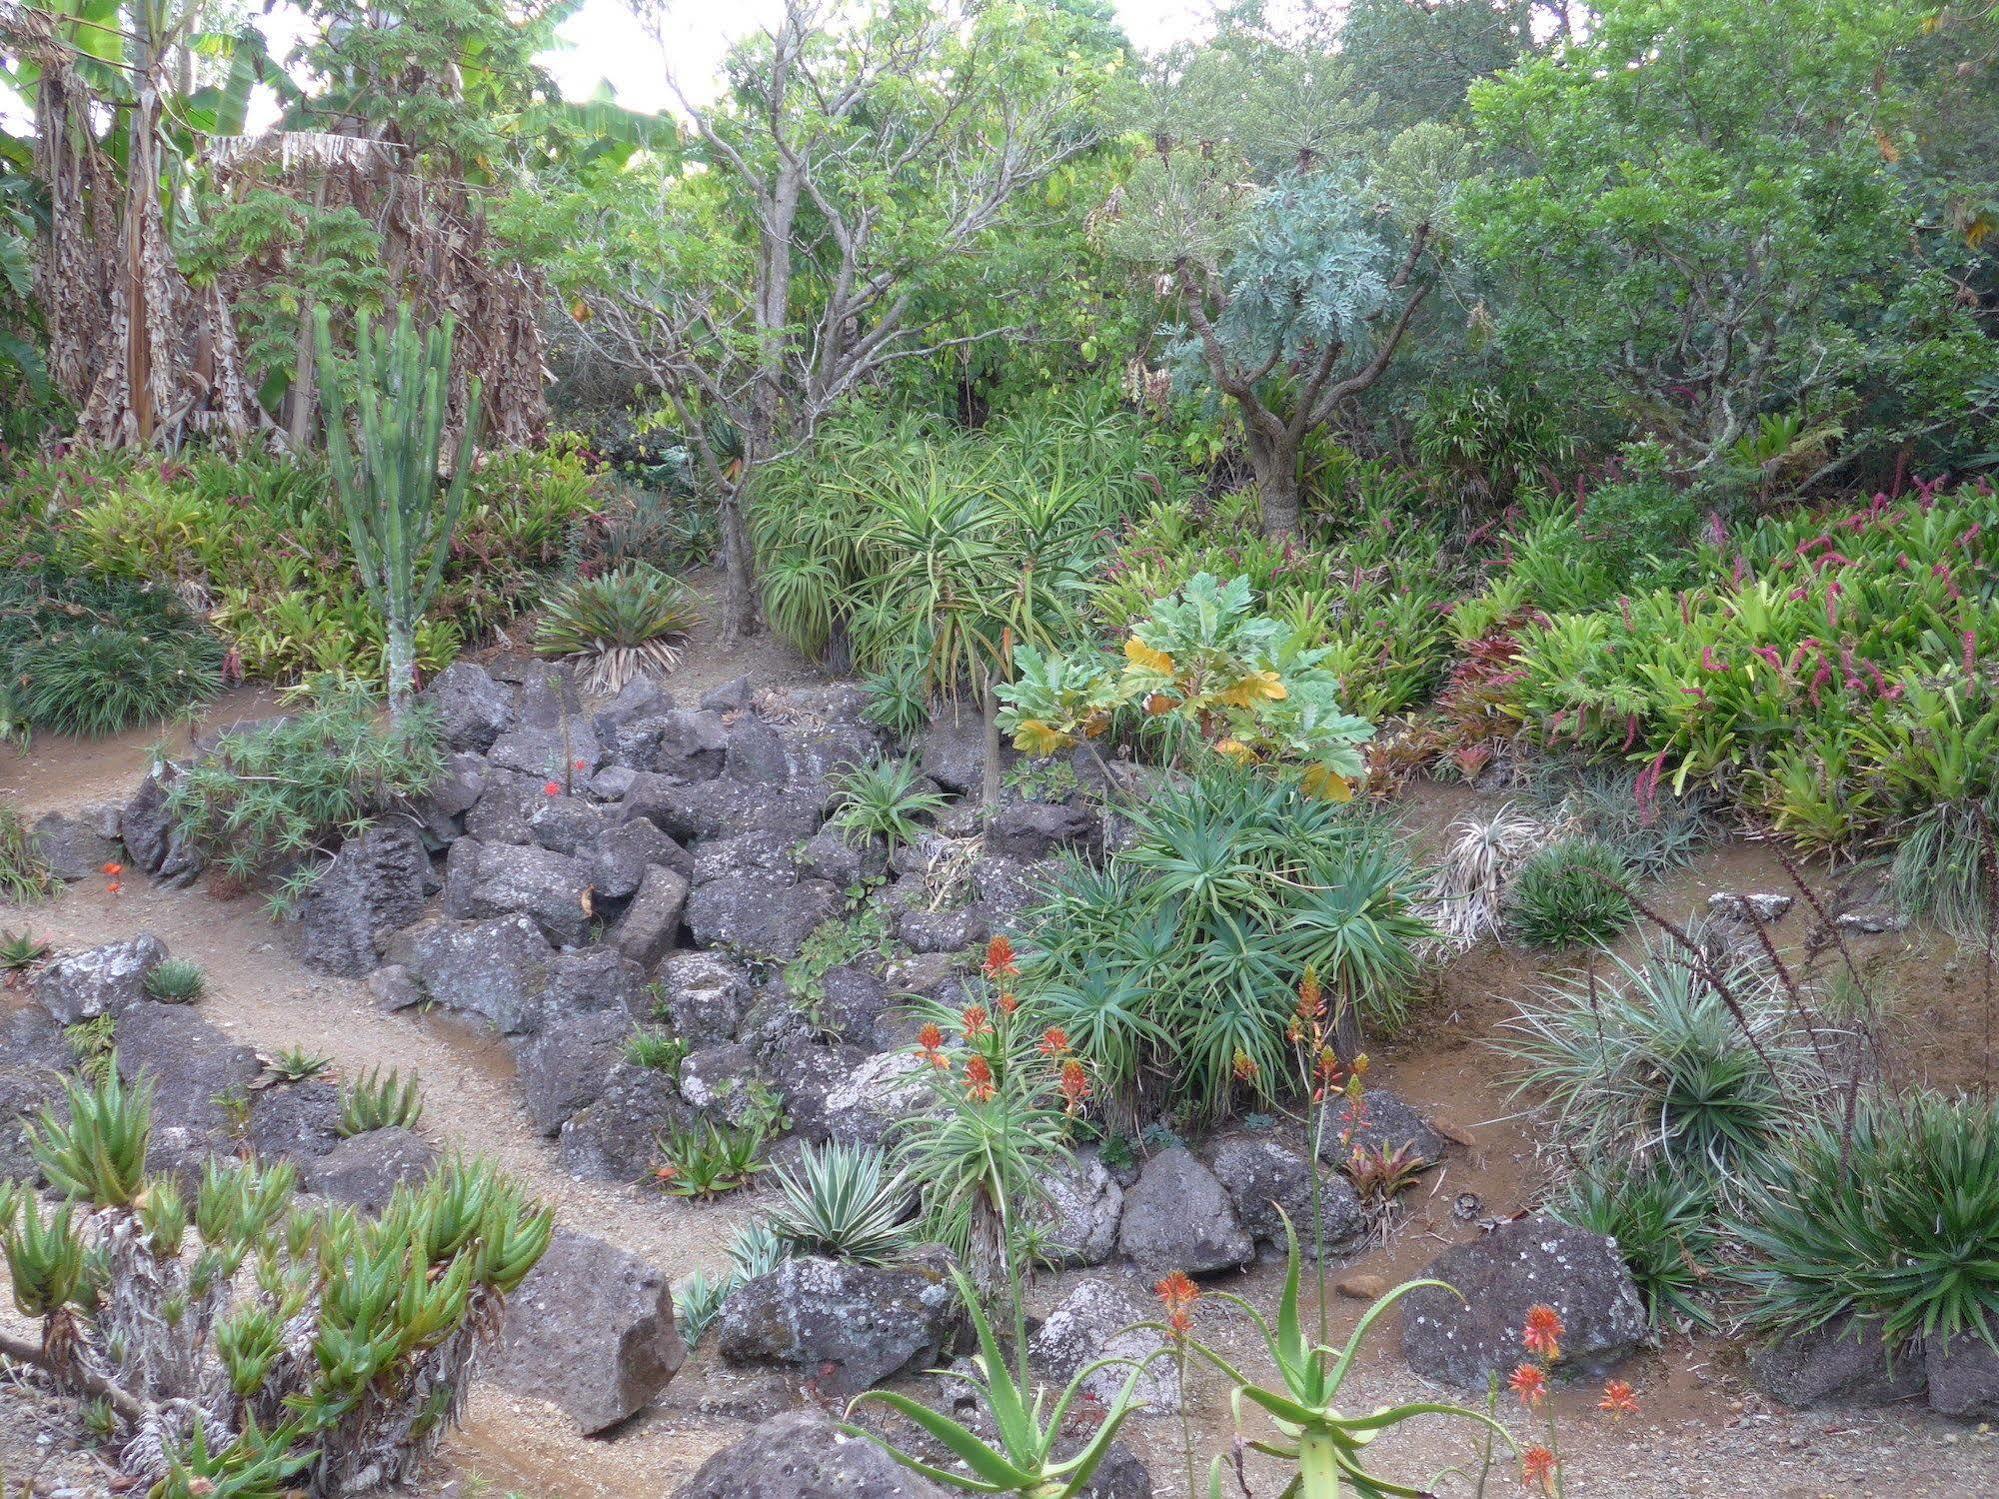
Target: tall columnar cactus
x,y
400,529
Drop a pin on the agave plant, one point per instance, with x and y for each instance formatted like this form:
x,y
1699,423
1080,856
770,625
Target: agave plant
x,y
1327,1446
619,625
1024,1461
846,1201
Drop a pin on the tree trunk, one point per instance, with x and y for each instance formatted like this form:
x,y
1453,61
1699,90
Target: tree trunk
x,y
739,588
402,665
1274,461
989,710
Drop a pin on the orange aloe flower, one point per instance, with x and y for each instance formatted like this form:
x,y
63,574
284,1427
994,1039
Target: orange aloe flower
x,y
1537,1467
1178,1293
977,1021
1075,1087
1311,998
999,959
930,1046
1245,1067
1619,1399
979,1085
1530,1383
1054,1042
1007,1002
1543,1333
112,870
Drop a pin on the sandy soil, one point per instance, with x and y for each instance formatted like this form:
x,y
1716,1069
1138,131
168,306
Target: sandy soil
x,y
1701,1431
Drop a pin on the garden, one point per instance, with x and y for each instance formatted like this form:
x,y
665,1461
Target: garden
x,y
1013,754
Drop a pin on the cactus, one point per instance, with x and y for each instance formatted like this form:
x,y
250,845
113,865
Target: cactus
x,y
399,529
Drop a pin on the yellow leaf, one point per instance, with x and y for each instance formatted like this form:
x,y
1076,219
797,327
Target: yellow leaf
x,y
1158,704
1258,686
1327,784
1236,750
1034,737
1138,653
1979,230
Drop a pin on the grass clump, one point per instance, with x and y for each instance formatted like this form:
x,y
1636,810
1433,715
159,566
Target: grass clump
x,y
655,1048
629,622
176,981
1571,895
25,876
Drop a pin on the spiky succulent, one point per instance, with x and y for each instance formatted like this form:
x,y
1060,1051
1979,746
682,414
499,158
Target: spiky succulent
x,y
378,1100
619,625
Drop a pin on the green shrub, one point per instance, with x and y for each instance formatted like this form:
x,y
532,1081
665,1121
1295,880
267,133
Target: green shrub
x,y
1941,872
25,876
845,1201
618,625
176,981
1665,1229
376,1100
1570,895
291,788
651,1047
1651,1061
898,697
1897,1226
885,799
1175,969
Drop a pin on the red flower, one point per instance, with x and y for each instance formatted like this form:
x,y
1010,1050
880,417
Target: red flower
x,y
1006,1002
1530,1383
1311,998
1054,1042
113,870
1619,1399
1075,1086
1178,1293
979,1085
1543,1333
551,788
579,765
999,959
930,1046
977,1021
1537,1466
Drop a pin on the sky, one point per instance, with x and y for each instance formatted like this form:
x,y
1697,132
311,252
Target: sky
x,y
607,42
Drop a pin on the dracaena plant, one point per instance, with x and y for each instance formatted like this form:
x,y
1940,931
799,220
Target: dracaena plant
x,y
1024,1461
1328,1447
1241,683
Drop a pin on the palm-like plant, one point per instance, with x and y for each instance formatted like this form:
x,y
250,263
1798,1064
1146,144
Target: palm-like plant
x,y
884,799
1327,1446
1024,1461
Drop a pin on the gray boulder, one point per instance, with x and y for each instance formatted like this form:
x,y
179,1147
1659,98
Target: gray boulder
x,y
690,813
1843,1363
617,1137
718,1080
563,1067
366,1170
684,745
806,1075
24,1092
1034,830
650,925
591,1329
505,807
148,832
1383,1122
1007,888
566,823
1268,1182
954,752
1103,1319
830,855
440,811
755,753
705,995
1083,1208
1178,1217
733,696
1964,1376
641,697
496,879
194,1069
295,1121
853,1002
620,856
768,913
77,848
943,931
372,889
495,969
802,1454
1461,1339
847,1326
30,1037
875,1097
472,709
96,981
565,752
591,981
1748,908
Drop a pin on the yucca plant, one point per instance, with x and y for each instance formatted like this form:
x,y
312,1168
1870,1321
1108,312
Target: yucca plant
x,y
885,799
376,1100
845,1201
1941,867
1893,1220
398,398
622,624
1024,1461
1327,1446
176,981
698,1300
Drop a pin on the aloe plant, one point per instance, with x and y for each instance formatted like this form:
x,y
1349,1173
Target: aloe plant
x,y
1327,1446
401,533
1024,1462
